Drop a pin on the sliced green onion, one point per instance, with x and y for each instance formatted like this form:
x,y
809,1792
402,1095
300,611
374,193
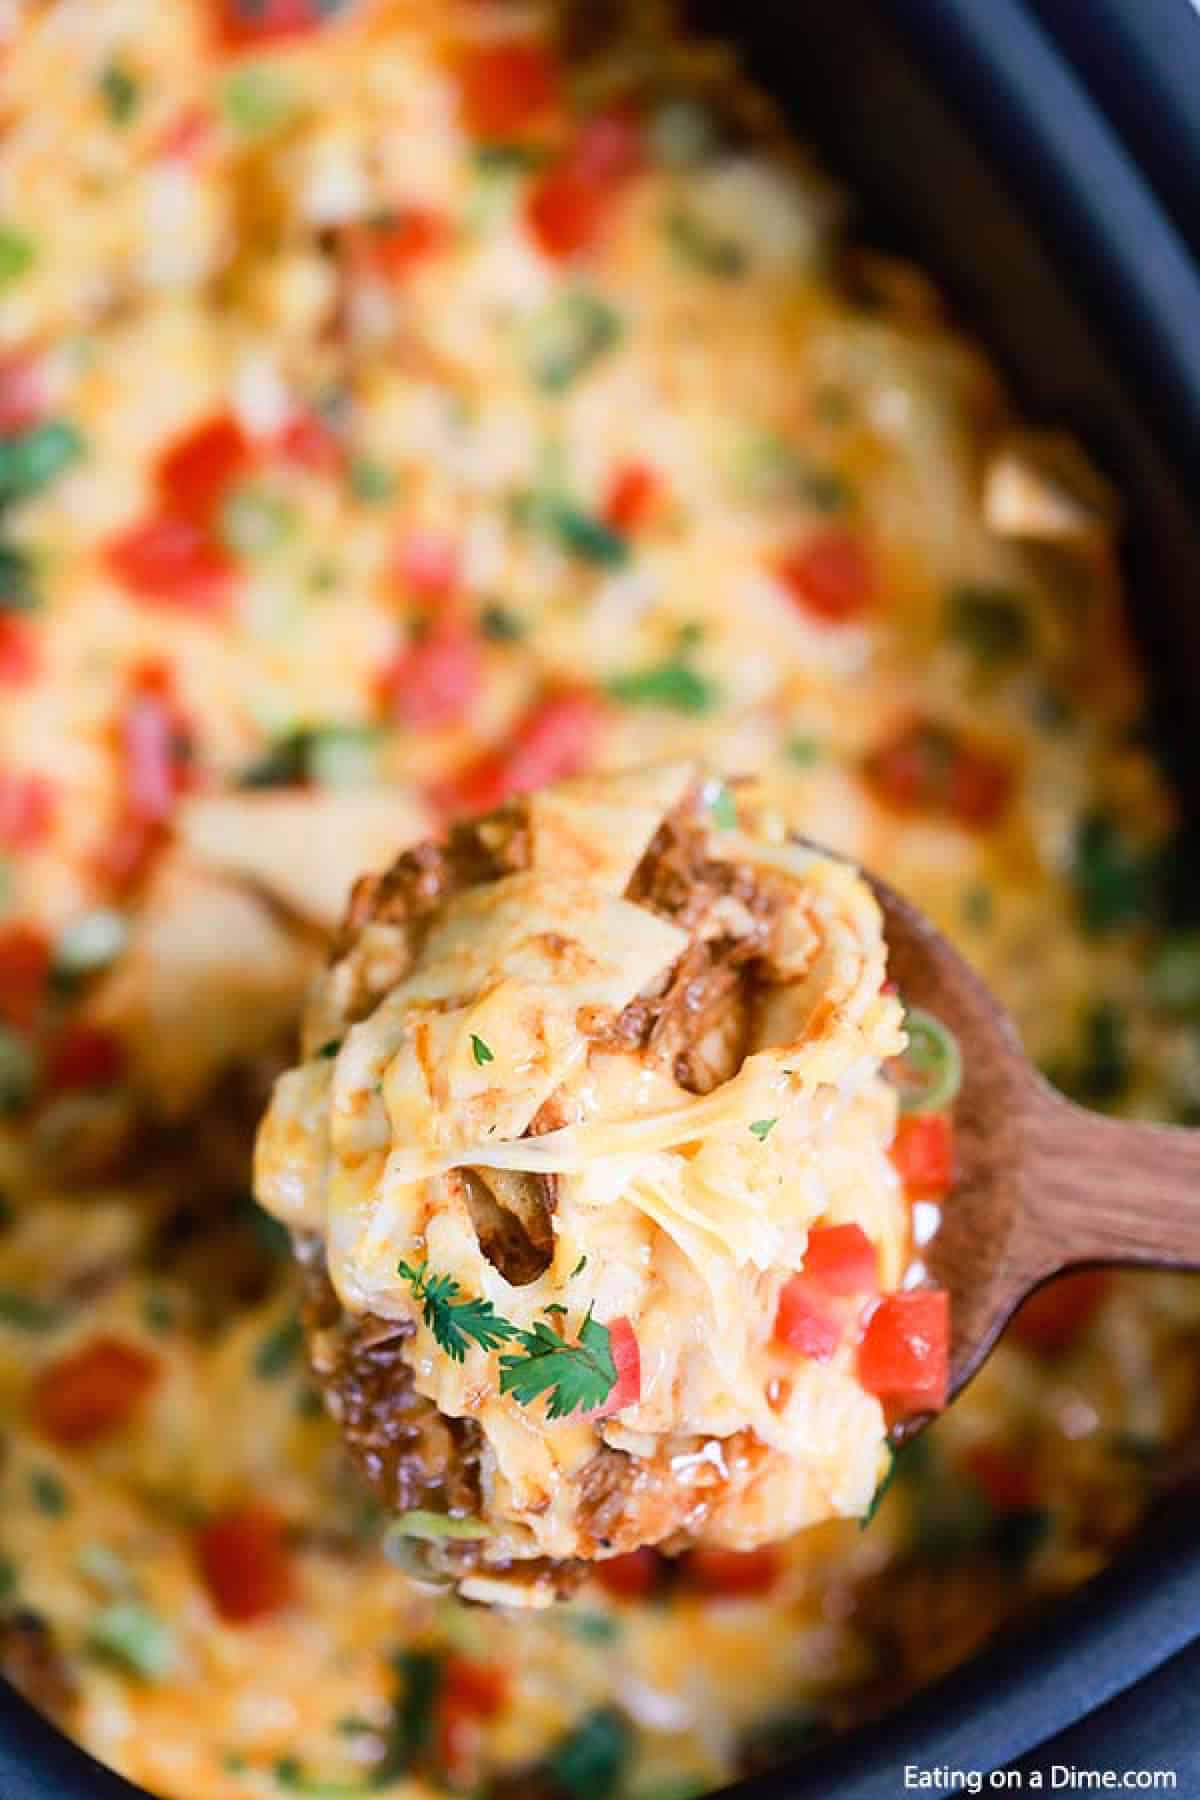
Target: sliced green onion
x,y
48,1493
993,622
16,254
696,243
130,1634
120,92
256,100
254,522
682,134
566,336
19,590
431,1527
24,1312
18,1071
104,1567
1175,975
722,808
370,482
928,1074
90,943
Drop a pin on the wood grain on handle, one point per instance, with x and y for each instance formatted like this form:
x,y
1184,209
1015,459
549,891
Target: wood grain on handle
x,y
1107,1191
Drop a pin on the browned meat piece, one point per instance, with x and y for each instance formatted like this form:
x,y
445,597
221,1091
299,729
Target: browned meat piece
x,y
32,1660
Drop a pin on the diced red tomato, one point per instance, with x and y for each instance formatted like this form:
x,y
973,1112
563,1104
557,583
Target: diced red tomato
x,y
427,563
19,660
187,135
635,494
437,680
24,973
805,1321
736,1574
309,443
196,473
841,1259
923,1154
1054,1317
128,851
506,87
154,745
23,397
92,1392
555,739
568,207
244,22
244,1560
27,805
1007,1484
629,1577
904,1357
471,1693
926,767
831,576
627,1360
84,1056
170,561
395,246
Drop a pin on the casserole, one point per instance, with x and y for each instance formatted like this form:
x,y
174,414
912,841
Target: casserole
x,y
1163,519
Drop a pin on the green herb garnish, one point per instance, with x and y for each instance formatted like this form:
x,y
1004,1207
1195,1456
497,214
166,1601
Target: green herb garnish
x,y
131,1635
674,685
500,625
762,1128
370,482
16,254
590,1763
31,460
256,100
803,750
18,583
991,621
48,1493
329,1049
698,244
255,522
480,1051
26,1313
1114,879
454,1322
574,1377
722,809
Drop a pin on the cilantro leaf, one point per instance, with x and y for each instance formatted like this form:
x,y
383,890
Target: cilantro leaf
x,y
574,1377
454,1322
480,1051
762,1128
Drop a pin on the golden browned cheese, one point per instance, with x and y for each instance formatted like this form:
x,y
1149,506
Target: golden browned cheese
x,y
397,413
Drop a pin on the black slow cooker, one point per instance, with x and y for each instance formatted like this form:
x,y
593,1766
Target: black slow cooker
x,y
1044,179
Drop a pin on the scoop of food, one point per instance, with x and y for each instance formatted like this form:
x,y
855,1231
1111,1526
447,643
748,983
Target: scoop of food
x,y
588,1163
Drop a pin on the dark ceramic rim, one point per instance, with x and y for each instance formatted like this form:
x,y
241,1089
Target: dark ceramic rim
x,y
997,66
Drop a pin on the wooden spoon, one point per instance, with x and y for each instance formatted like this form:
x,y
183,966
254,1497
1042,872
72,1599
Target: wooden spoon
x,y
1041,1185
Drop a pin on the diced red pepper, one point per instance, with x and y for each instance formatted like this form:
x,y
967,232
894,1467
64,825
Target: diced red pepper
x,y
244,22
627,1360
831,576
735,1574
923,1154
308,442
1054,1317
244,1560
437,680
636,493
904,1357
171,561
629,1577
926,767
128,851
19,660
805,1321
506,87
197,472
396,245
609,146
427,563
1007,1484
27,806
841,1259
84,1056
24,973
23,396
92,1392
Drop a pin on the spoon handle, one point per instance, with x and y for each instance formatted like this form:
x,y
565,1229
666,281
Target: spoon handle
x,y
1108,1191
